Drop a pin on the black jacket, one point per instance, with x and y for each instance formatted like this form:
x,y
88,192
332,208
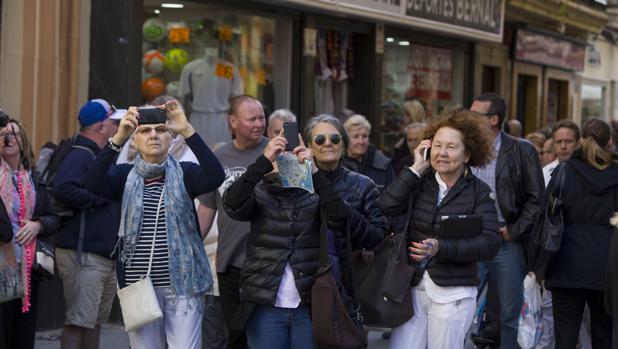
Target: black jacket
x,y
455,263
6,229
590,200
366,222
374,165
285,228
49,221
102,215
519,185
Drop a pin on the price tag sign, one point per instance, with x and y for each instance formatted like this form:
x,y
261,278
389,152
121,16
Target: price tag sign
x,y
225,33
178,35
224,71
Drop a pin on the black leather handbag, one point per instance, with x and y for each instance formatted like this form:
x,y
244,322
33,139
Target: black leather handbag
x,y
553,222
337,322
383,280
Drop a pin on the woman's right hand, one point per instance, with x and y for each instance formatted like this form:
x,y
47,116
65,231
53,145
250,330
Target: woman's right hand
x,y
275,147
420,164
128,124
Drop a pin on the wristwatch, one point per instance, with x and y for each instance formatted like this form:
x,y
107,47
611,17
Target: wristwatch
x,y
113,146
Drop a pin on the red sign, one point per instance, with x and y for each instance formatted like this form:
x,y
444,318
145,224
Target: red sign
x,y
431,72
547,50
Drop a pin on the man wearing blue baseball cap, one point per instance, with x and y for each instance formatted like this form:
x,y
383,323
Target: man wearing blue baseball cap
x,y
86,238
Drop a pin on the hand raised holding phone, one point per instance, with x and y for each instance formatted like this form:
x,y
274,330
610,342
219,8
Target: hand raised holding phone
x,y
422,155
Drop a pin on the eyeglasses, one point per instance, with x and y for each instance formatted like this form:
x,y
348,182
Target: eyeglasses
x,y
334,139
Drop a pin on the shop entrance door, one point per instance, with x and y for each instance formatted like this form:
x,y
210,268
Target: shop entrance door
x,y
526,108
557,100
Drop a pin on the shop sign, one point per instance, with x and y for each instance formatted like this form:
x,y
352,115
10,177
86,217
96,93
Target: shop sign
x,y
547,50
309,45
431,71
485,15
390,6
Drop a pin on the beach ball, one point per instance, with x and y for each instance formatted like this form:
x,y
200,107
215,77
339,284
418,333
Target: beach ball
x,y
153,62
175,59
152,87
154,30
172,88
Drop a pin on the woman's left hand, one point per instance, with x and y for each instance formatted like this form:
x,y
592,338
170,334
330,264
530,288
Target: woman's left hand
x,y
177,120
425,249
303,153
28,232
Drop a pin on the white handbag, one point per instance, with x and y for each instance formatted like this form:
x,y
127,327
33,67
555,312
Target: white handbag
x,y
138,301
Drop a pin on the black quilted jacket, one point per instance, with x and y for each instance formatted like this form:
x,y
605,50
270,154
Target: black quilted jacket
x,y
455,263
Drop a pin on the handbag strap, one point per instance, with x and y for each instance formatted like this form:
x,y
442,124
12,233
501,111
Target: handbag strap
x,y
154,235
323,258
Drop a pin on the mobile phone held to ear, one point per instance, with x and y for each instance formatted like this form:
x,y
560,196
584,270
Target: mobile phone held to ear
x,y
426,154
150,116
290,132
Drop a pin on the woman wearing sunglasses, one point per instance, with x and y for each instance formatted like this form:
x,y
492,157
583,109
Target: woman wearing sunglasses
x,y
328,140
441,184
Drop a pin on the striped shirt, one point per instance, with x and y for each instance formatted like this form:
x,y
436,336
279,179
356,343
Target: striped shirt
x,y
159,273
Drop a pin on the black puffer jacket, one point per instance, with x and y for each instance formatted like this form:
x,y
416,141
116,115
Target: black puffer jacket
x,y
455,263
367,223
285,228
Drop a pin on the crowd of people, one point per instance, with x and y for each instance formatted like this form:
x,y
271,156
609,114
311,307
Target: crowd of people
x,y
135,197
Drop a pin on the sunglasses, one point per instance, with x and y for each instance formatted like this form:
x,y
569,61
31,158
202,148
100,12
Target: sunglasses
x,y
334,139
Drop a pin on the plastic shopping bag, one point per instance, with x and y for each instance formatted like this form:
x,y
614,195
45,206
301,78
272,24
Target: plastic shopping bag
x,y
530,324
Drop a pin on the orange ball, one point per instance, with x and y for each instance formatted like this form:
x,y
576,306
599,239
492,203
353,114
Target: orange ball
x,y
152,87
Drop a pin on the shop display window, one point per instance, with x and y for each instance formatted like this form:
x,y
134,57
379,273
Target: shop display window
x,y
434,76
593,101
242,46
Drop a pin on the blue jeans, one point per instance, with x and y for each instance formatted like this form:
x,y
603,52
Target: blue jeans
x,y
270,327
508,269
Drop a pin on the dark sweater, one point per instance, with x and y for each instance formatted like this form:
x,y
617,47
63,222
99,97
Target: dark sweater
x,y
6,230
102,215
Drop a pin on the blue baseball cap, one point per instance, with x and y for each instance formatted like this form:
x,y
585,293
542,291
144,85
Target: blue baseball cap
x,y
94,111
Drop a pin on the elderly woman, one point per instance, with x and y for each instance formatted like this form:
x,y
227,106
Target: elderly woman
x,y
157,194
26,206
328,140
445,283
363,157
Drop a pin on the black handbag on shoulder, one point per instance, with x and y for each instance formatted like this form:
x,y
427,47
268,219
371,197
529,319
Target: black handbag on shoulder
x,y
337,322
383,280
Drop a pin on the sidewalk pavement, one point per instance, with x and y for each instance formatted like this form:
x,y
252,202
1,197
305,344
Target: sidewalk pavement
x,y
113,336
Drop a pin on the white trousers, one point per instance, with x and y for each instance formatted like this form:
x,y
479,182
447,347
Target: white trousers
x,y
180,327
434,325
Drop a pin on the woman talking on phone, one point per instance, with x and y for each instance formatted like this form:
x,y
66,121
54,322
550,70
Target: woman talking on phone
x,y
441,185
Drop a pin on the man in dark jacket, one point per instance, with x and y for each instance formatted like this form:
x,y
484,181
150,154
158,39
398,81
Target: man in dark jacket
x,y
516,180
87,238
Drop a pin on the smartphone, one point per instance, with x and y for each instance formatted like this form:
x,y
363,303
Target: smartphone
x,y
149,116
426,153
290,132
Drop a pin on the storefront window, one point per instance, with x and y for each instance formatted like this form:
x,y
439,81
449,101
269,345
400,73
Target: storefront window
x,y
432,75
227,52
593,101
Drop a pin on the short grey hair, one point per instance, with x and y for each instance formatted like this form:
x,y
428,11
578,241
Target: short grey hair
x,y
283,114
329,119
415,125
357,120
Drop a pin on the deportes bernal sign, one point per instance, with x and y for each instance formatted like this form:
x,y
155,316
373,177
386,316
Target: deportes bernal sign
x,y
474,19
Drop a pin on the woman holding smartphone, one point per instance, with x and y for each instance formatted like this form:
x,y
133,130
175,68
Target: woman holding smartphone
x,y
440,184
